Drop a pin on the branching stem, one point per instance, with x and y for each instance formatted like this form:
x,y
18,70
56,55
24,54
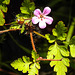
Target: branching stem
x,y
41,59
4,31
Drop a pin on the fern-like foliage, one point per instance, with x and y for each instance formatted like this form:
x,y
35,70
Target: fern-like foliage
x,y
26,13
58,51
35,56
34,69
27,7
25,65
59,31
50,38
3,8
22,64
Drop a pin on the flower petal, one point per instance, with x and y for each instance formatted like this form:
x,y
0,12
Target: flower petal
x,y
42,24
48,20
46,10
37,12
35,20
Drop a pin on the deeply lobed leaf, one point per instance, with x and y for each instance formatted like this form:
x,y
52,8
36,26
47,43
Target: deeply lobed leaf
x,y
27,7
6,2
3,8
2,20
34,69
58,52
60,30
22,65
50,38
34,56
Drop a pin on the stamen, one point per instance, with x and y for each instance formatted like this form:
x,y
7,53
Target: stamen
x,y
41,16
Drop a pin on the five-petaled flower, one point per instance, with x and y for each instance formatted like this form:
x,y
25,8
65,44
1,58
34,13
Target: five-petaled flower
x,y
41,18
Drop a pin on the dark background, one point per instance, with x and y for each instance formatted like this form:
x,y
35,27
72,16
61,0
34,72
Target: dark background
x,y
62,10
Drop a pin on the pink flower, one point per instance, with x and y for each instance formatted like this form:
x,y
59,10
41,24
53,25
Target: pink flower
x,y
41,18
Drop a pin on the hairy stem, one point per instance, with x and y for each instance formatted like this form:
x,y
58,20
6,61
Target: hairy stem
x,y
3,31
39,34
40,58
32,42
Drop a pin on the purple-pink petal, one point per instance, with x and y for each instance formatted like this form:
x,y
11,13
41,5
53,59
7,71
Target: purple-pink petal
x,y
35,20
37,12
46,10
42,24
48,20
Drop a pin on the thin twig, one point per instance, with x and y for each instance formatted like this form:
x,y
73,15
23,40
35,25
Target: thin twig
x,y
39,34
3,31
40,58
32,42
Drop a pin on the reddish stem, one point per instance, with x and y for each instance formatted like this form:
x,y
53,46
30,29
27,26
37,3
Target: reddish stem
x,y
40,58
32,42
3,31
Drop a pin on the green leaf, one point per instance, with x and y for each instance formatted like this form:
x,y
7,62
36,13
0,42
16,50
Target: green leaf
x,y
50,38
60,66
25,2
32,6
72,50
53,49
72,46
23,28
72,41
37,65
60,30
34,69
34,56
58,52
50,55
24,10
3,8
27,7
66,61
64,51
6,2
22,65
15,26
2,20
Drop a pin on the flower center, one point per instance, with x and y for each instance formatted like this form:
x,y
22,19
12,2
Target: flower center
x,y
41,16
